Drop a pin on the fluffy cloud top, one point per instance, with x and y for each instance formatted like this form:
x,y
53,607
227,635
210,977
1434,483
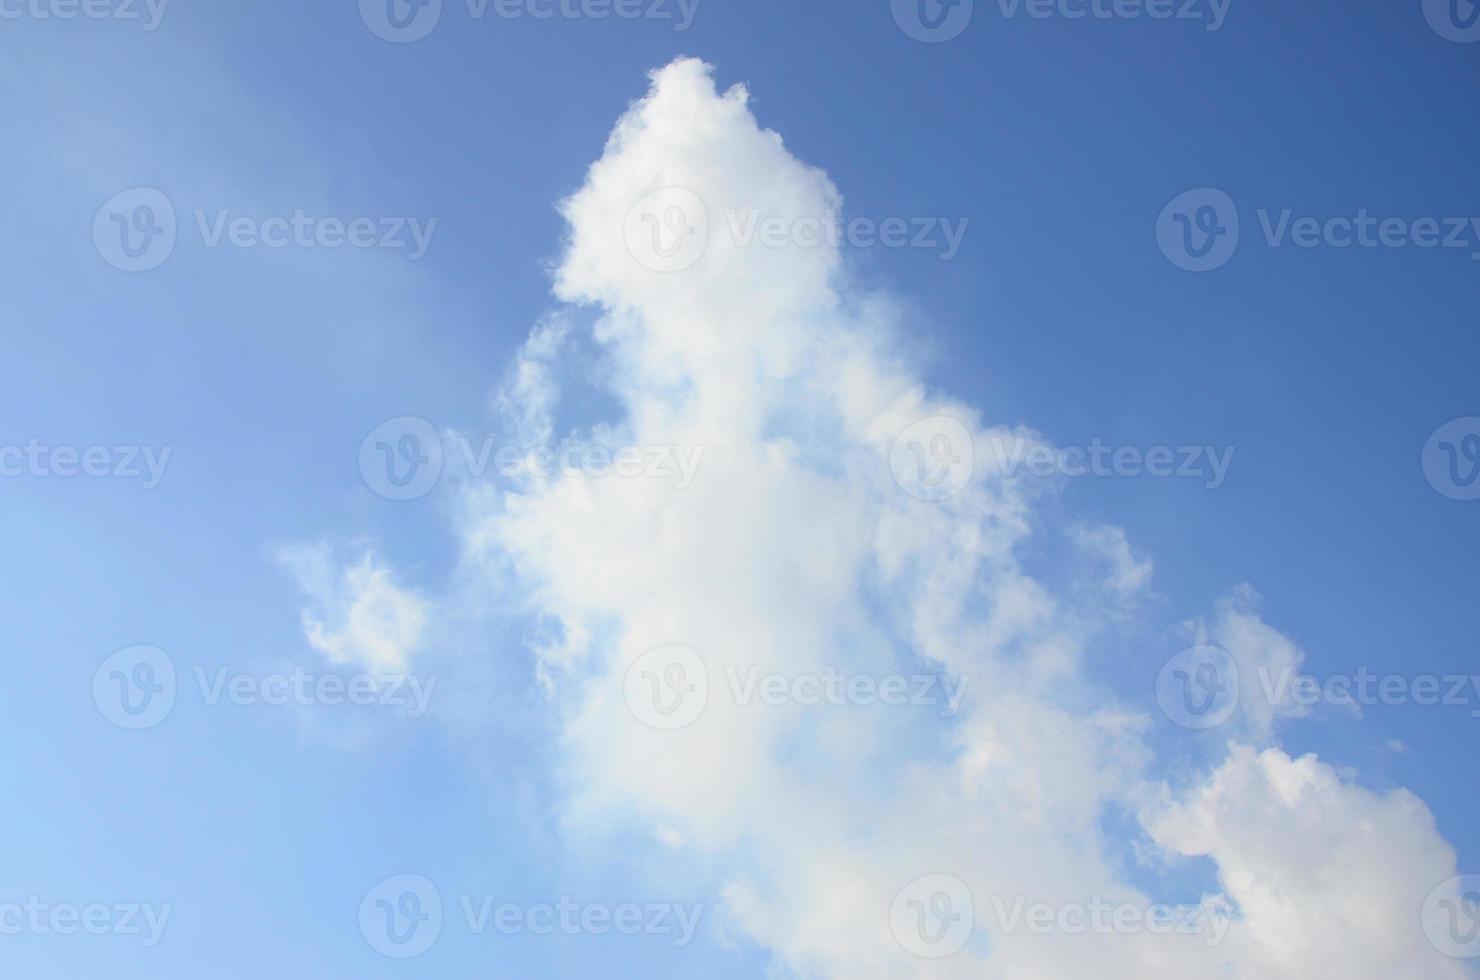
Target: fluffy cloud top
x,y
1331,879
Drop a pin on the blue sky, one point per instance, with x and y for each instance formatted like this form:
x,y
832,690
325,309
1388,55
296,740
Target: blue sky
x,y
1059,141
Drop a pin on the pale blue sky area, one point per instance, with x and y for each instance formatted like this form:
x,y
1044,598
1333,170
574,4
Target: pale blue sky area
x,y
1327,369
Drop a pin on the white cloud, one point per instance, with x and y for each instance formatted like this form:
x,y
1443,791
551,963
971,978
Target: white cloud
x,y
1267,661
358,614
795,550
526,400
1126,575
1329,878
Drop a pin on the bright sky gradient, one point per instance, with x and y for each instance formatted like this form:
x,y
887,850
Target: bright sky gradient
x,y
1063,315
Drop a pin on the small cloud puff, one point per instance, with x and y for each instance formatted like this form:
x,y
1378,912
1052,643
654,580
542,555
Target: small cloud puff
x,y
358,614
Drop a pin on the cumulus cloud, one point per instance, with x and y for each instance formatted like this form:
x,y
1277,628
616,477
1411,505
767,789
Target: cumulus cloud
x,y
1329,878
847,521
357,613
